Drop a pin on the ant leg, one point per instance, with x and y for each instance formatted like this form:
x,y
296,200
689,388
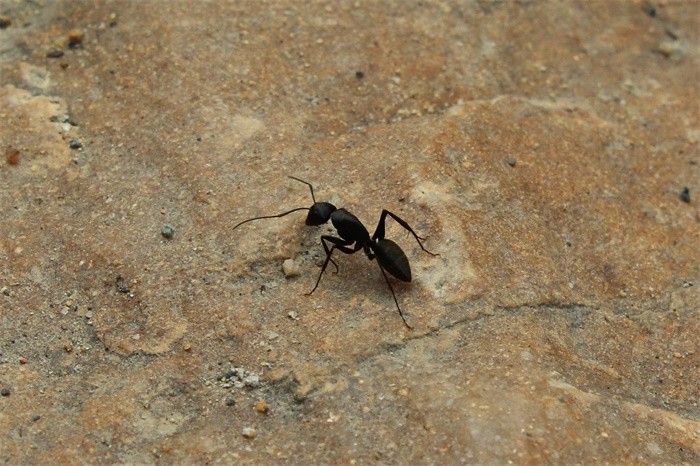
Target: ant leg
x,y
394,295
338,243
381,228
328,254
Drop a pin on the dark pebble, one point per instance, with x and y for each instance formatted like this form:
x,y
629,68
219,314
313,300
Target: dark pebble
x,y
230,402
36,418
5,392
167,231
359,74
54,53
122,287
5,22
75,144
6,292
685,194
512,162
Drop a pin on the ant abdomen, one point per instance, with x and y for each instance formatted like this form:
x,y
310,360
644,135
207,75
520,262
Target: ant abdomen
x,y
393,259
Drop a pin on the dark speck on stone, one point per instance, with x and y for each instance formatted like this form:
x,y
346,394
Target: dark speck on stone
x,y
122,286
5,392
54,53
75,144
685,194
199,138
167,231
36,418
6,292
359,74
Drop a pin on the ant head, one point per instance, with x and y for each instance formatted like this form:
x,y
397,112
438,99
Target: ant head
x,y
320,213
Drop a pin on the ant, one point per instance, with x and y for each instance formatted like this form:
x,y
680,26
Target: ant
x,y
354,236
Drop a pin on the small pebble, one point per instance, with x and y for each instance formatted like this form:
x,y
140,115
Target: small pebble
x,y
359,74
5,22
252,381
167,231
230,402
249,432
261,407
685,194
75,38
23,360
512,162
12,156
5,392
75,144
294,315
54,53
670,49
290,268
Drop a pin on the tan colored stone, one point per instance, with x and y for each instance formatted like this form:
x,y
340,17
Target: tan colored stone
x,y
540,147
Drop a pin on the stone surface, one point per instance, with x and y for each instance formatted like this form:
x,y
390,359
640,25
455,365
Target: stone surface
x,y
540,146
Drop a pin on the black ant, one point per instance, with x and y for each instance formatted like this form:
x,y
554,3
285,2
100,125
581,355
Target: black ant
x,y
354,236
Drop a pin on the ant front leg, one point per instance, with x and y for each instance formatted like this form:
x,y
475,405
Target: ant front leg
x,y
380,231
341,245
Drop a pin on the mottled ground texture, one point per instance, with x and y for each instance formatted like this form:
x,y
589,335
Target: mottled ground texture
x,y
547,150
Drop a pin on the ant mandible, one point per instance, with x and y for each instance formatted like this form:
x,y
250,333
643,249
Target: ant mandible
x,y
354,237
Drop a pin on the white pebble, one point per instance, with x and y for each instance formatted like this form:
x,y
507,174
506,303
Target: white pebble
x,y
252,381
290,268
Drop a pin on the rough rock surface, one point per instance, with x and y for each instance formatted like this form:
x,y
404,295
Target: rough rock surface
x,y
542,147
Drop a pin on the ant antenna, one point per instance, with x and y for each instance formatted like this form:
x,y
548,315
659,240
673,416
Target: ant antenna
x,y
285,213
270,216
307,184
